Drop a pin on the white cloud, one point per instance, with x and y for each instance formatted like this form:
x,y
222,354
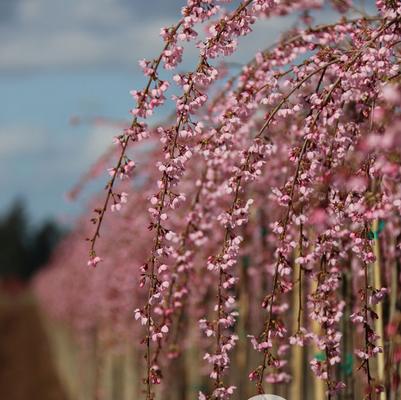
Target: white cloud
x,y
19,140
50,34
98,140
44,149
54,34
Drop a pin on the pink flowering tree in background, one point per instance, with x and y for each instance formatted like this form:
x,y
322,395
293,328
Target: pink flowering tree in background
x,y
260,225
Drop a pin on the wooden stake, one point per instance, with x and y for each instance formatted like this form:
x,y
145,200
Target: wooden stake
x,y
379,309
241,378
296,389
319,385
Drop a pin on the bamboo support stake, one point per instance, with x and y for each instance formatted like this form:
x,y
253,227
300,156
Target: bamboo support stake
x,y
107,375
117,376
319,386
242,353
379,310
192,363
296,389
99,358
131,379
393,283
391,367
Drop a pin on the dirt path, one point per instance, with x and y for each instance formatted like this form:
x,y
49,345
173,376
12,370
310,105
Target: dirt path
x,y
26,368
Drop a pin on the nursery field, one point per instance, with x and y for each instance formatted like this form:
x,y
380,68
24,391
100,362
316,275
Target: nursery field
x,y
27,369
240,234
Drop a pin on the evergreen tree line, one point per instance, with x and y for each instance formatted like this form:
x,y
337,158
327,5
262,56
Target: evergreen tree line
x,y
25,249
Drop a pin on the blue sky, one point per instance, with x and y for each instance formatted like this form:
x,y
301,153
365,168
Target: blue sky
x,y
61,59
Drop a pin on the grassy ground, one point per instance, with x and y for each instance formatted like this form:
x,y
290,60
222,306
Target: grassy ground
x,y
26,368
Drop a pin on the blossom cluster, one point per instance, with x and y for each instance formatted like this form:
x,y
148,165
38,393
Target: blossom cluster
x,y
265,216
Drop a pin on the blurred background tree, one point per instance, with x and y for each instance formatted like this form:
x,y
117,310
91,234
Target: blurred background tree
x,y
25,248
